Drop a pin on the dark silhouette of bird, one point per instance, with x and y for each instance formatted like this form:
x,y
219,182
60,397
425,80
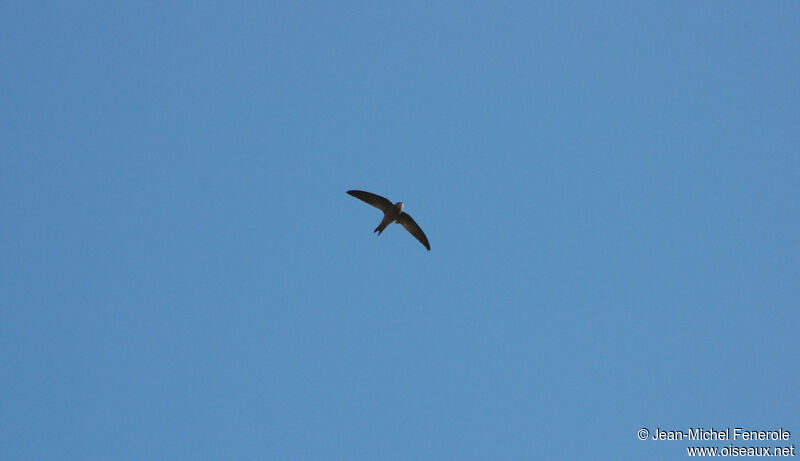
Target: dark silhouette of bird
x,y
392,213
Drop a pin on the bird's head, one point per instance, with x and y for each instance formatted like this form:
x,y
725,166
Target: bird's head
x,y
399,205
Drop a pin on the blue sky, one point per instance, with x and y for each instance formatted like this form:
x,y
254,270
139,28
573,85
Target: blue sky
x,y
610,192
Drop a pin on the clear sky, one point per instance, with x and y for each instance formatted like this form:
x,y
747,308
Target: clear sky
x,y
610,190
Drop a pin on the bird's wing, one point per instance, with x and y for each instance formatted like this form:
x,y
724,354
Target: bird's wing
x,y
408,222
377,201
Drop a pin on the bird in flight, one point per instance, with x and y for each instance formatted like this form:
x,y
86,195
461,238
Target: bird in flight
x,y
392,213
